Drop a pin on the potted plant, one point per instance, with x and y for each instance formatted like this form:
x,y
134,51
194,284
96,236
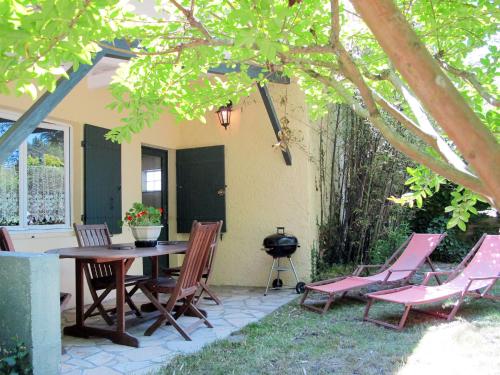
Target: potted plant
x,y
145,223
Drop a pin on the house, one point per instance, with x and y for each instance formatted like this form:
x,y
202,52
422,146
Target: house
x,y
192,169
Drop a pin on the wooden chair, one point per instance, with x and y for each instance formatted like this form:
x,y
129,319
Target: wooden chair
x,y
204,288
184,288
6,244
100,276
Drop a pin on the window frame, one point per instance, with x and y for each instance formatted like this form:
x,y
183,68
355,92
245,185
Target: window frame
x,y
23,178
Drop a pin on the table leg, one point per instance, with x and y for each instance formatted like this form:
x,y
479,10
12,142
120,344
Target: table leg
x,y
120,295
118,336
155,271
78,329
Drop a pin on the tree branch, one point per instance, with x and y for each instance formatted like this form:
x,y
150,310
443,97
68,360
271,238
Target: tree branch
x,y
435,90
398,142
335,22
408,123
425,125
471,78
189,14
310,49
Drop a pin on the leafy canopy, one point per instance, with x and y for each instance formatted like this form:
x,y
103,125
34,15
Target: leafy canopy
x,y
323,46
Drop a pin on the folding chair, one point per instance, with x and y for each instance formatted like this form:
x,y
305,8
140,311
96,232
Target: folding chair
x,y
204,288
183,289
410,257
480,269
100,276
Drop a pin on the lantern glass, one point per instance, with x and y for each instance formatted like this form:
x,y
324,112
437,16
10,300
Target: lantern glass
x,y
224,115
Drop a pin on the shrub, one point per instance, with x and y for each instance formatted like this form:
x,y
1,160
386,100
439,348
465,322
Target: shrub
x,y
15,360
452,249
385,247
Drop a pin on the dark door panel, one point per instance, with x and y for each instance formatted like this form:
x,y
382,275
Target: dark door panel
x,y
201,188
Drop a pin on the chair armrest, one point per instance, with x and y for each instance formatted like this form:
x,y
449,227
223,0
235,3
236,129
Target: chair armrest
x,y
390,272
472,279
428,275
484,278
361,267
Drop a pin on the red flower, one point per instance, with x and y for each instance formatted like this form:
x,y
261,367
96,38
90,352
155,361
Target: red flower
x,y
129,218
161,210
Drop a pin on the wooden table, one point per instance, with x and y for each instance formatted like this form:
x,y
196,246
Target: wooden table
x,y
118,259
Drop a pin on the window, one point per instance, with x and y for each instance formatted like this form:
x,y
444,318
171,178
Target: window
x,y
34,180
151,180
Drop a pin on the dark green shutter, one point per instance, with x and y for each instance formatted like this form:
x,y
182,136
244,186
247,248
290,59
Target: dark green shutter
x,y
200,186
103,179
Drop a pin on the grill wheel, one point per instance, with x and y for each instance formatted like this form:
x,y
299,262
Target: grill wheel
x,y
277,283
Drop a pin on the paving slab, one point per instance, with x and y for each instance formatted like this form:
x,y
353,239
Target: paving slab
x,y
241,306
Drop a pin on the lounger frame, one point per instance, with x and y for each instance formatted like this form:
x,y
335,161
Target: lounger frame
x,y
438,314
359,270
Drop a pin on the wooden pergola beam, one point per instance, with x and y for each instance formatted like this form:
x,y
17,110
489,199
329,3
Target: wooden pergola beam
x,y
273,117
29,121
252,72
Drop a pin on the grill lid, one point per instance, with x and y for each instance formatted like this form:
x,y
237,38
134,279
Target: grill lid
x,y
280,239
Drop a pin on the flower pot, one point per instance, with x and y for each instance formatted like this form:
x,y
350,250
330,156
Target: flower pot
x,y
146,236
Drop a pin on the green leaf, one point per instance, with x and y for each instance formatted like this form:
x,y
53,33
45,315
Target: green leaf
x,y
461,225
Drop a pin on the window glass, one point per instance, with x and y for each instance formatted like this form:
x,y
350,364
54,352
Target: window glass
x,y
45,177
33,180
9,184
153,180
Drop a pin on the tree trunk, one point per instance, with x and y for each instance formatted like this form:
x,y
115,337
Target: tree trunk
x,y
436,92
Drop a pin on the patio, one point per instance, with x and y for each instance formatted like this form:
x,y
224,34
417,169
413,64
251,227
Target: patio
x,y
241,306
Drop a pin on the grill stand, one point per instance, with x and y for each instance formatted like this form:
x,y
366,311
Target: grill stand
x,y
279,269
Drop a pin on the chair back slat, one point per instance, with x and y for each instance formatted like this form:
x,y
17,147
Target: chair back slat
x,y
200,241
213,247
94,235
6,243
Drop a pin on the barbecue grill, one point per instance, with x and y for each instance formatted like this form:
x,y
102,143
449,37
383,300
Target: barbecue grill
x,y
281,245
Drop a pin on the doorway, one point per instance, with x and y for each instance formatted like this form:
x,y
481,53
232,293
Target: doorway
x,y
154,186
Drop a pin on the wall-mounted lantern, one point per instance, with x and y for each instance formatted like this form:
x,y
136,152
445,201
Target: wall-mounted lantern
x,y
224,114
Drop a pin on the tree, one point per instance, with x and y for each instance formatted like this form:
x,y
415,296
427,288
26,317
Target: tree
x,y
429,65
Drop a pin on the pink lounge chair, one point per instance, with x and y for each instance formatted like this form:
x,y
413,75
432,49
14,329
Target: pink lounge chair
x,y
413,253
479,270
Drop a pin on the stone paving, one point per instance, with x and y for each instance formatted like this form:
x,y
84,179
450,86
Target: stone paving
x,y
96,356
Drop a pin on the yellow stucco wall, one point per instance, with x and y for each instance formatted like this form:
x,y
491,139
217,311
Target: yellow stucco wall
x,y
262,192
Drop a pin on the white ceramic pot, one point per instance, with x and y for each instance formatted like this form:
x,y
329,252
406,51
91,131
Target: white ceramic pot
x,y
146,233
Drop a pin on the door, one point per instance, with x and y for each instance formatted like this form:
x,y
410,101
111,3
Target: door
x,y
201,187
102,179
154,183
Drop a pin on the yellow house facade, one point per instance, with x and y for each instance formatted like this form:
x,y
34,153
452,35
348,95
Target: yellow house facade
x,y
262,191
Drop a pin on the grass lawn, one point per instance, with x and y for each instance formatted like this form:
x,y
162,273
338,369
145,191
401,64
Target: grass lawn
x,y
295,341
